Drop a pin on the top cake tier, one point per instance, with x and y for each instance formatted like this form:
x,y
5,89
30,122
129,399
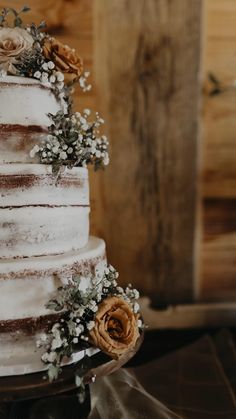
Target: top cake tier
x,y
24,107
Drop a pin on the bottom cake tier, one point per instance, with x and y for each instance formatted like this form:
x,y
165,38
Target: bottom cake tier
x,y
26,285
19,354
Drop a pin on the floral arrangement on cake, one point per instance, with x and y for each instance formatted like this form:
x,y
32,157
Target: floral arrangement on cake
x,y
96,311
28,51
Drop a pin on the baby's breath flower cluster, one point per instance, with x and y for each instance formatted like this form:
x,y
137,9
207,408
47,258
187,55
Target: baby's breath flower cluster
x,y
79,301
73,140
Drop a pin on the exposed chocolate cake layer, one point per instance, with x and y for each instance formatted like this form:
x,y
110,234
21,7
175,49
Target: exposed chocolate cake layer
x,y
29,325
29,180
16,141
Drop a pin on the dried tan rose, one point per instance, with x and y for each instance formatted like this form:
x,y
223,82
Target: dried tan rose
x,y
13,43
65,59
115,330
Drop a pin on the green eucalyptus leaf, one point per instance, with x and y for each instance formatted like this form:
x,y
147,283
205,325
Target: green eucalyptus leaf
x,y
54,305
25,9
42,25
18,21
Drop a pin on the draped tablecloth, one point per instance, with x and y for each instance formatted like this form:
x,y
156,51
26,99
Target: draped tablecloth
x,y
195,382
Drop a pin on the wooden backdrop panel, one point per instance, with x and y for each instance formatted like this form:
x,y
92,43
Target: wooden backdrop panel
x,y
217,281
146,67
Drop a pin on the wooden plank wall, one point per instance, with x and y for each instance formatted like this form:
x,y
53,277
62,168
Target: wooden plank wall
x,y
72,22
218,279
147,84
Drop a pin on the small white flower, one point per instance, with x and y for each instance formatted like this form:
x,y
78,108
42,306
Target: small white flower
x,y
34,151
60,76
75,340
60,85
52,79
45,66
79,329
56,343
136,294
94,309
55,150
106,283
55,328
37,74
44,357
136,307
44,76
52,356
106,159
82,120
51,65
139,323
87,112
90,325
63,155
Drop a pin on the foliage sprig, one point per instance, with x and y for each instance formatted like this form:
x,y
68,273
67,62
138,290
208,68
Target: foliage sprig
x,y
74,140
78,301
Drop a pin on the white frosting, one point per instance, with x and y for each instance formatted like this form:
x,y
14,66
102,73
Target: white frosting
x,y
26,102
19,355
35,231
34,184
26,285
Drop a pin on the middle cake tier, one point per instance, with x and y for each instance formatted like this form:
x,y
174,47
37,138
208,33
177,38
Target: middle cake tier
x,y
42,215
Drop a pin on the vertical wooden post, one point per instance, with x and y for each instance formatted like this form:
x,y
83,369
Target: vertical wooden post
x,y
146,68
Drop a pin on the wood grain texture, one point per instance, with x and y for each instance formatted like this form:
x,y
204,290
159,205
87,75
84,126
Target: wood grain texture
x,y
146,68
217,281
219,250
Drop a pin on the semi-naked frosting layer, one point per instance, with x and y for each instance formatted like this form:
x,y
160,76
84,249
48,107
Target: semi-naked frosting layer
x,y
24,108
40,215
26,285
35,231
26,102
34,184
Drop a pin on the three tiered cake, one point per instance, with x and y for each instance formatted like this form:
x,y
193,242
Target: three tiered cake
x,y
57,294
